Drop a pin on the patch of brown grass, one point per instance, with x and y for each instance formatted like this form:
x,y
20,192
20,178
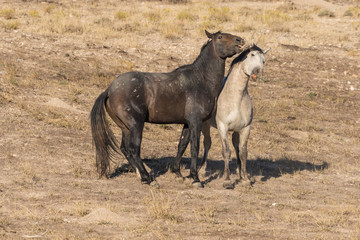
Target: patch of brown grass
x,y
11,73
54,116
160,206
8,13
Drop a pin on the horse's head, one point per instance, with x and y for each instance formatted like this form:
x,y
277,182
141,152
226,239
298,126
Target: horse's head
x,y
253,61
226,45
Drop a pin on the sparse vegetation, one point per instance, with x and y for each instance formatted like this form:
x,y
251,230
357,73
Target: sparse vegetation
x,y
186,15
34,14
326,13
219,14
120,15
303,147
10,25
162,207
7,13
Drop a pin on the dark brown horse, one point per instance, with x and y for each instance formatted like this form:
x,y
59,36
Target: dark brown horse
x,y
186,96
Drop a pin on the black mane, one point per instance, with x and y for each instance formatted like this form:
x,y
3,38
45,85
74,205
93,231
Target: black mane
x,y
243,54
201,52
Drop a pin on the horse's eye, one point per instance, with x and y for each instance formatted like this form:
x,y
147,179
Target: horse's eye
x,y
252,55
220,37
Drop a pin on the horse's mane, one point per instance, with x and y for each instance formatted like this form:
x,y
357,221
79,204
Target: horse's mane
x,y
242,55
207,43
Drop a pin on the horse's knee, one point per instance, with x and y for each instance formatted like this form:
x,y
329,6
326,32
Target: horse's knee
x,y
226,153
243,153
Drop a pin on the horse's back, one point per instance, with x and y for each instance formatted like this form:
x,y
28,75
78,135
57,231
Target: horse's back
x,y
158,97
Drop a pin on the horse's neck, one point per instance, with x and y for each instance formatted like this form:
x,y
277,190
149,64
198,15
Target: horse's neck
x,y
210,67
237,82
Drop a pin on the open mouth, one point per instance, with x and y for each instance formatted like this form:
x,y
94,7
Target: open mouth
x,y
256,74
240,47
253,77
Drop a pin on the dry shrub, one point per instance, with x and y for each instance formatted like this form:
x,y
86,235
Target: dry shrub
x,y
48,8
186,15
219,14
271,17
120,15
243,27
11,72
352,12
326,13
152,16
73,28
160,206
103,21
81,209
206,214
10,25
7,13
172,31
34,14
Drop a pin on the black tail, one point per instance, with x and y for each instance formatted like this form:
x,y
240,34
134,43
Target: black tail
x,y
103,138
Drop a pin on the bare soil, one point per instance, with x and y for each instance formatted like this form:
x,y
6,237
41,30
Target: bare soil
x,y
304,148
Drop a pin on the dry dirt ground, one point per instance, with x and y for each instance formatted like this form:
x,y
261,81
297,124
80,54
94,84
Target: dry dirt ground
x,y
56,57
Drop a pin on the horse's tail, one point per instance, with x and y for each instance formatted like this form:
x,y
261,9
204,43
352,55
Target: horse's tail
x,y
103,138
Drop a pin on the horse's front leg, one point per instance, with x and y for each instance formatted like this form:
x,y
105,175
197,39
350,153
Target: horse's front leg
x,y
183,142
226,154
235,142
195,128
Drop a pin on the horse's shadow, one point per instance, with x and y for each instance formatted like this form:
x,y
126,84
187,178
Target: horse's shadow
x,y
265,168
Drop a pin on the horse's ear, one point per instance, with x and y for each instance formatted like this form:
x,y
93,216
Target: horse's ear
x,y
266,51
209,35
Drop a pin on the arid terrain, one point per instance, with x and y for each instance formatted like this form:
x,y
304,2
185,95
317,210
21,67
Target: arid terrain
x,y
57,56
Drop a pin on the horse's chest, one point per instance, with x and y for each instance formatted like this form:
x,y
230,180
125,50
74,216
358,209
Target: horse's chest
x,y
237,119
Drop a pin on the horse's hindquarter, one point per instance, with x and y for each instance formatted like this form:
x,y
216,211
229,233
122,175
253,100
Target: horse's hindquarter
x,y
126,97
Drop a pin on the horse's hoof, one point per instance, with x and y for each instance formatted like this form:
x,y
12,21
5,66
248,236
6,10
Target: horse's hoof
x,y
245,182
145,181
154,184
228,184
198,185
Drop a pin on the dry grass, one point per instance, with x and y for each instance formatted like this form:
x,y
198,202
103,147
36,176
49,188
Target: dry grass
x,y
303,148
7,13
161,206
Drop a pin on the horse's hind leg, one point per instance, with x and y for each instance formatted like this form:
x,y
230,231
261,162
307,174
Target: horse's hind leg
x,y
133,148
183,142
235,142
125,134
124,140
244,136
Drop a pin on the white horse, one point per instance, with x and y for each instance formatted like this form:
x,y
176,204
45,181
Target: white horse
x,y
234,112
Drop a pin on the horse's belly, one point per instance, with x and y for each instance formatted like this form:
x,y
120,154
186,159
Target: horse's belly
x,y
166,112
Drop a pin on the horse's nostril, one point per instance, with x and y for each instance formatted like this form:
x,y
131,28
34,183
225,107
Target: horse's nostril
x,y
240,41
